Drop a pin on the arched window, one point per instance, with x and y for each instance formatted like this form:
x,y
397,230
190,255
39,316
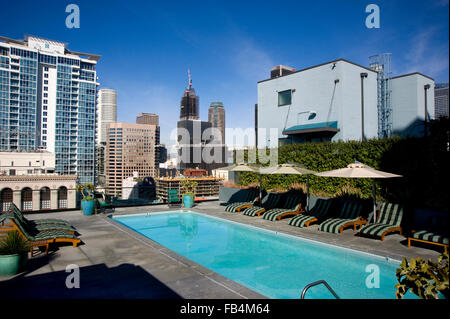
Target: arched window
x,y
6,198
62,197
27,199
45,198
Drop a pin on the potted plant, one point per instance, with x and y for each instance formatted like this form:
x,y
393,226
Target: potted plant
x,y
188,192
88,201
13,254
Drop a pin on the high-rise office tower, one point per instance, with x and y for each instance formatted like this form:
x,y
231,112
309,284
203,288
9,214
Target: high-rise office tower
x,y
147,118
216,116
48,101
441,97
189,103
107,112
130,148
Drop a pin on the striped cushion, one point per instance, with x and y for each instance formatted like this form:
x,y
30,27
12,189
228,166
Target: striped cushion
x,y
390,214
332,225
350,210
253,211
53,234
375,229
232,208
252,194
300,220
46,227
275,212
435,237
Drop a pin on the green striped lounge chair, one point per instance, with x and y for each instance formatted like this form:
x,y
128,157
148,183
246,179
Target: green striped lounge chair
x,y
350,215
318,212
37,238
43,224
437,234
270,201
252,198
389,218
291,206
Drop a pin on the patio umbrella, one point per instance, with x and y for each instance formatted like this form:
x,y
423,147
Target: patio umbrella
x,y
291,169
359,170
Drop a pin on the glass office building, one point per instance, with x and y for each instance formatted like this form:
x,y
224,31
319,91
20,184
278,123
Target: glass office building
x,y
48,101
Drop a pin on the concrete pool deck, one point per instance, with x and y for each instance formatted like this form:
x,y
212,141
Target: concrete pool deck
x,y
116,262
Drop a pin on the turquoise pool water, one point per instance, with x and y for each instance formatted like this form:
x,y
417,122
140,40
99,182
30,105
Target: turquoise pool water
x,y
273,264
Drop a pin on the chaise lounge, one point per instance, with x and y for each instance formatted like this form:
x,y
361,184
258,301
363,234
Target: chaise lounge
x,y
270,201
350,215
389,219
292,206
318,212
43,224
34,237
435,234
252,198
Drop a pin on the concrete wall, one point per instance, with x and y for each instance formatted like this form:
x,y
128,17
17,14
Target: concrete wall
x,y
408,104
314,91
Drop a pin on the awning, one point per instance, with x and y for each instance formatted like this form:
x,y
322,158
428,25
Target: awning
x,y
331,127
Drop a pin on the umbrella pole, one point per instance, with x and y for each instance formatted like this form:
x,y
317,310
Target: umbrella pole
x,y
374,202
307,193
260,189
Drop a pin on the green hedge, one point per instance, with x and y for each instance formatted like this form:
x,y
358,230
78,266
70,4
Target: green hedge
x,y
423,162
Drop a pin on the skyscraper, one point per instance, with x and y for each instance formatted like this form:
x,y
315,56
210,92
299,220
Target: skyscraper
x,y
441,97
48,101
107,112
130,148
189,103
216,116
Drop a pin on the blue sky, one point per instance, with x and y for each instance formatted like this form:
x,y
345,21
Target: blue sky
x,y
147,46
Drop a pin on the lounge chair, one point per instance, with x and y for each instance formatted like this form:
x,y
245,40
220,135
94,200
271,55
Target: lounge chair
x,y
43,224
435,234
349,216
388,221
291,206
251,199
103,205
173,200
270,201
37,239
320,210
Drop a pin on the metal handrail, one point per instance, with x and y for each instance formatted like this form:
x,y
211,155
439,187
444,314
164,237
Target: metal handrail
x,y
315,283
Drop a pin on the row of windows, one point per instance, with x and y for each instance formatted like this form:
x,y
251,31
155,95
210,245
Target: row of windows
x,y
24,53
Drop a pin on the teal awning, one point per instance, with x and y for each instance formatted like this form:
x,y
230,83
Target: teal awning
x,y
312,128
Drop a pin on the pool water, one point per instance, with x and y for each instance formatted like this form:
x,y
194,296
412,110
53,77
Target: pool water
x,y
273,264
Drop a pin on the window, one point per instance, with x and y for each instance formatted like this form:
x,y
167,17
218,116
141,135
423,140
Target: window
x,y
46,75
45,88
44,125
45,107
46,68
284,97
45,81
45,94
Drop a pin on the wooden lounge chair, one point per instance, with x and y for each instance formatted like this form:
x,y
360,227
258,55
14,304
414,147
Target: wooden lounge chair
x,y
320,210
349,216
435,234
389,218
270,201
291,206
41,225
252,198
37,239
104,205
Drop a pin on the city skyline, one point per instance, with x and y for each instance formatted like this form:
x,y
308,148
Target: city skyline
x,y
236,50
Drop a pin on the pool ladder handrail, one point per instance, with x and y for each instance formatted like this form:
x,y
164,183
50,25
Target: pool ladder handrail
x,y
315,283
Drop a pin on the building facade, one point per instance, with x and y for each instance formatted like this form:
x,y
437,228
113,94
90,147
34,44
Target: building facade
x,y
216,116
147,118
333,101
48,101
130,148
441,98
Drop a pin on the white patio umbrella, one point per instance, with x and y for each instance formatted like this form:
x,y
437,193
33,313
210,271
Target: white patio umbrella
x,y
359,170
291,169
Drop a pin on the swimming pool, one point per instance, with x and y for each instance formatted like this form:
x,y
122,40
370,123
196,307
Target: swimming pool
x,y
273,264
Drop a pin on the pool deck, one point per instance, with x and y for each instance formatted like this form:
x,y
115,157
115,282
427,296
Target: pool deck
x,y
116,262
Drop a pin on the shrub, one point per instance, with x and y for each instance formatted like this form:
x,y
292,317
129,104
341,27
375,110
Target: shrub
x,y
13,243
